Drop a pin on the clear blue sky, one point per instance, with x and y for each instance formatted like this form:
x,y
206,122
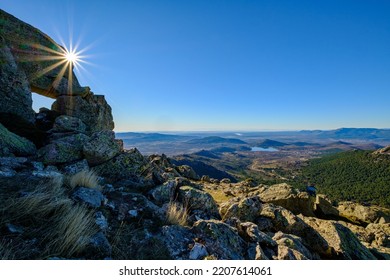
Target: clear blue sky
x,y
229,65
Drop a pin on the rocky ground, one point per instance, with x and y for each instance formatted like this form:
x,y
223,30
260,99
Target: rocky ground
x,y
69,190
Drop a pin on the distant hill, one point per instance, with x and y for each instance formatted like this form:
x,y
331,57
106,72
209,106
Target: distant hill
x,y
207,154
202,168
304,144
149,137
357,175
350,133
268,143
215,140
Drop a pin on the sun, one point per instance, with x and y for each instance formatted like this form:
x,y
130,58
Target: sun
x,y
71,57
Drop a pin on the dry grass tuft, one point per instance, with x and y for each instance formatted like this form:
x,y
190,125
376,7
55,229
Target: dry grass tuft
x,y
177,214
84,178
63,227
41,203
6,251
72,231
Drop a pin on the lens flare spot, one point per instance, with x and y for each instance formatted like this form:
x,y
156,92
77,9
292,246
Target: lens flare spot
x,y
71,57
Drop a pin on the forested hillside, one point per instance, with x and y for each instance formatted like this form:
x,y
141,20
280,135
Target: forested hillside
x,y
353,175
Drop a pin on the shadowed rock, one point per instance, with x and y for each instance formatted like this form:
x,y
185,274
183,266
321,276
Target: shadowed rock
x,y
12,144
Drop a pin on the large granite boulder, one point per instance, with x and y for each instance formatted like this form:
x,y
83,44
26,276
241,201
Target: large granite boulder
x,y
220,239
284,195
323,207
284,220
342,241
199,202
128,164
290,247
358,213
15,94
187,172
101,147
93,110
12,144
68,124
64,150
246,210
177,240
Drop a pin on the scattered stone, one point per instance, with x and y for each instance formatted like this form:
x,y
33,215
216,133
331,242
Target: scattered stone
x,y
128,165
101,221
99,247
205,178
74,168
225,181
91,197
14,229
47,174
7,172
38,166
198,252
127,206
133,213
214,181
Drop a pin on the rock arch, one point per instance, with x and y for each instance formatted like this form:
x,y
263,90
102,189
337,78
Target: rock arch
x,y
30,61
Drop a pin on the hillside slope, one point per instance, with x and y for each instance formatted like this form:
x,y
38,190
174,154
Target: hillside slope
x,y
353,175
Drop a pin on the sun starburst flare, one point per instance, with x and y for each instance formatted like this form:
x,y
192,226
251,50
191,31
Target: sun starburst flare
x,y
65,60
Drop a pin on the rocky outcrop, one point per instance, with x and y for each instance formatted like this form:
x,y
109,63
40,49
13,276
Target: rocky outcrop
x,y
64,124
383,151
84,109
358,213
12,144
220,239
246,210
15,92
64,150
284,195
201,204
290,247
342,242
323,207
129,165
101,147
